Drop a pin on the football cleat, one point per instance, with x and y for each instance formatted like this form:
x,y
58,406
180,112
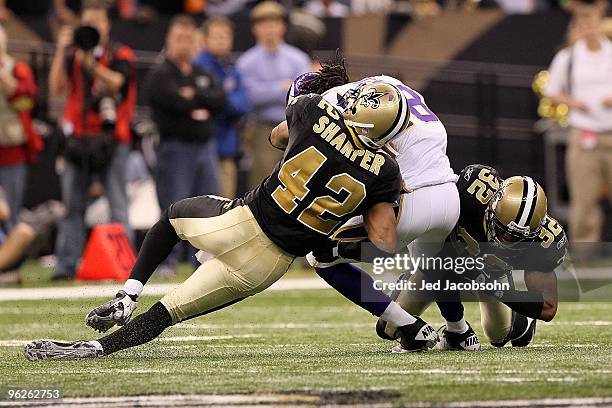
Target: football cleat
x,y
116,312
386,331
524,339
467,341
56,350
418,336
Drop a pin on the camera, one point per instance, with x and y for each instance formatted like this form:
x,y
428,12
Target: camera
x,y
107,108
86,38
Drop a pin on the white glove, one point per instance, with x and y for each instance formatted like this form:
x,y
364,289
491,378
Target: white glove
x,y
116,312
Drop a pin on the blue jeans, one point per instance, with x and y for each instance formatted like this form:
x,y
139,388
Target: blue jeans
x,y
185,170
13,181
75,186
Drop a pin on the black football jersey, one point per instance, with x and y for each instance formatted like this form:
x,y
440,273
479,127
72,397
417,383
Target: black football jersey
x,y
477,185
326,176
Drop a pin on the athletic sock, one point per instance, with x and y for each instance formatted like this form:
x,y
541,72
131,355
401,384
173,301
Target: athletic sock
x,y
133,287
397,316
459,327
144,328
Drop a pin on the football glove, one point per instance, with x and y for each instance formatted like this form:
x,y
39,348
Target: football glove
x,y
116,312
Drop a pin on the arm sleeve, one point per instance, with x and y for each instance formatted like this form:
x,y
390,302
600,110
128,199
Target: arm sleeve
x,y
558,74
296,114
390,185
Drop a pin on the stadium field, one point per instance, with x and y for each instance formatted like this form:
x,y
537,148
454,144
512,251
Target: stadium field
x,y
288,347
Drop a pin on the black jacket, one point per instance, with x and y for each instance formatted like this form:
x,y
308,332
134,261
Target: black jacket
x,y
179,118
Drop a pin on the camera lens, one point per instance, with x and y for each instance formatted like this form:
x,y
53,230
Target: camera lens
x,y
86,38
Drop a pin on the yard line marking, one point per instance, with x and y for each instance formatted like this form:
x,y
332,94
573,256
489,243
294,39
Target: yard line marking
x,y
269,400
15,342
207,338
154,289
581,323
271,325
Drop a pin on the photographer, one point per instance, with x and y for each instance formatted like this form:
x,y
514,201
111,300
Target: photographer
x,y
99,78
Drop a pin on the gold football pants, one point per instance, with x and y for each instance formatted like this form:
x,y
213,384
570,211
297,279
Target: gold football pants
x,y
245,261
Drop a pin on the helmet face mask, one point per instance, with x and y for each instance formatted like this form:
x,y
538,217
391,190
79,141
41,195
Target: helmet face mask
x,y
516,212
506,236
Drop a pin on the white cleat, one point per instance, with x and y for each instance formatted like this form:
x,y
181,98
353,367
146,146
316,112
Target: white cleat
x,y
56,350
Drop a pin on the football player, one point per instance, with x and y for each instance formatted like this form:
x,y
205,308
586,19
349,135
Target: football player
x,y
333,169
428,209
505,222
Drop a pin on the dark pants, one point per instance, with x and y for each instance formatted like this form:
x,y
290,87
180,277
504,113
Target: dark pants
x,y
185,170
13,181
75,187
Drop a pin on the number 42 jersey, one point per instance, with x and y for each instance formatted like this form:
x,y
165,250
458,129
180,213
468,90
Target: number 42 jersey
x,y
326,176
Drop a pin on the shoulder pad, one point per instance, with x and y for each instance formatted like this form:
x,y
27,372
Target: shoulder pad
x,y
472,170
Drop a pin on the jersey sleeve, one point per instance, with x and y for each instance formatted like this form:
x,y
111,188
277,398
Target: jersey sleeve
x,y
471,173
297,113
297,109
549,251
389,185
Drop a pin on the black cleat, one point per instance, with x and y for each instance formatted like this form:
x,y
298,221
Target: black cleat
x,y
418,336
524,339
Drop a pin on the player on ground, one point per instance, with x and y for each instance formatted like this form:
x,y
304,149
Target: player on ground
x,y
506,222
321,182
428,209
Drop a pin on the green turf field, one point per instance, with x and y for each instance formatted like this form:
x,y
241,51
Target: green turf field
x,y
310,342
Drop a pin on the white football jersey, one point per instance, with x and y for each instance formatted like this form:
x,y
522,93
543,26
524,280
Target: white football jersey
x,y
422,147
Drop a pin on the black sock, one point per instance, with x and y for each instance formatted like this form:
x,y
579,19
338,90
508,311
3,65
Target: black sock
x,y
144,328
156,247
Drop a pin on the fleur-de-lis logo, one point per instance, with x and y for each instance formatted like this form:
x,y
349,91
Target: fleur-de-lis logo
x,y
371,98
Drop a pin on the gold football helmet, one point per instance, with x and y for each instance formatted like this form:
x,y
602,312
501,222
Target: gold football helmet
x,y
516,211
378,112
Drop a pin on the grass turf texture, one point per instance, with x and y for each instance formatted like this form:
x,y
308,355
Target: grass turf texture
x,y
310,341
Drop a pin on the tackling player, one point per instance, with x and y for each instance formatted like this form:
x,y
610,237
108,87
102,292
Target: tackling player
x,y
428,209
506,222
333,169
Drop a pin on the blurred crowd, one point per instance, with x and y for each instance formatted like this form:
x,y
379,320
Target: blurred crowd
x,y
209,111
213,115
581,79
66,11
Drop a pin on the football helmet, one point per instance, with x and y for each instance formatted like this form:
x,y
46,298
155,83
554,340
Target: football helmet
x,y
516,211
378,112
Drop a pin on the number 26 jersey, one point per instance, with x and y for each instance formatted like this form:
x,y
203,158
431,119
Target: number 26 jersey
x,y
326,176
